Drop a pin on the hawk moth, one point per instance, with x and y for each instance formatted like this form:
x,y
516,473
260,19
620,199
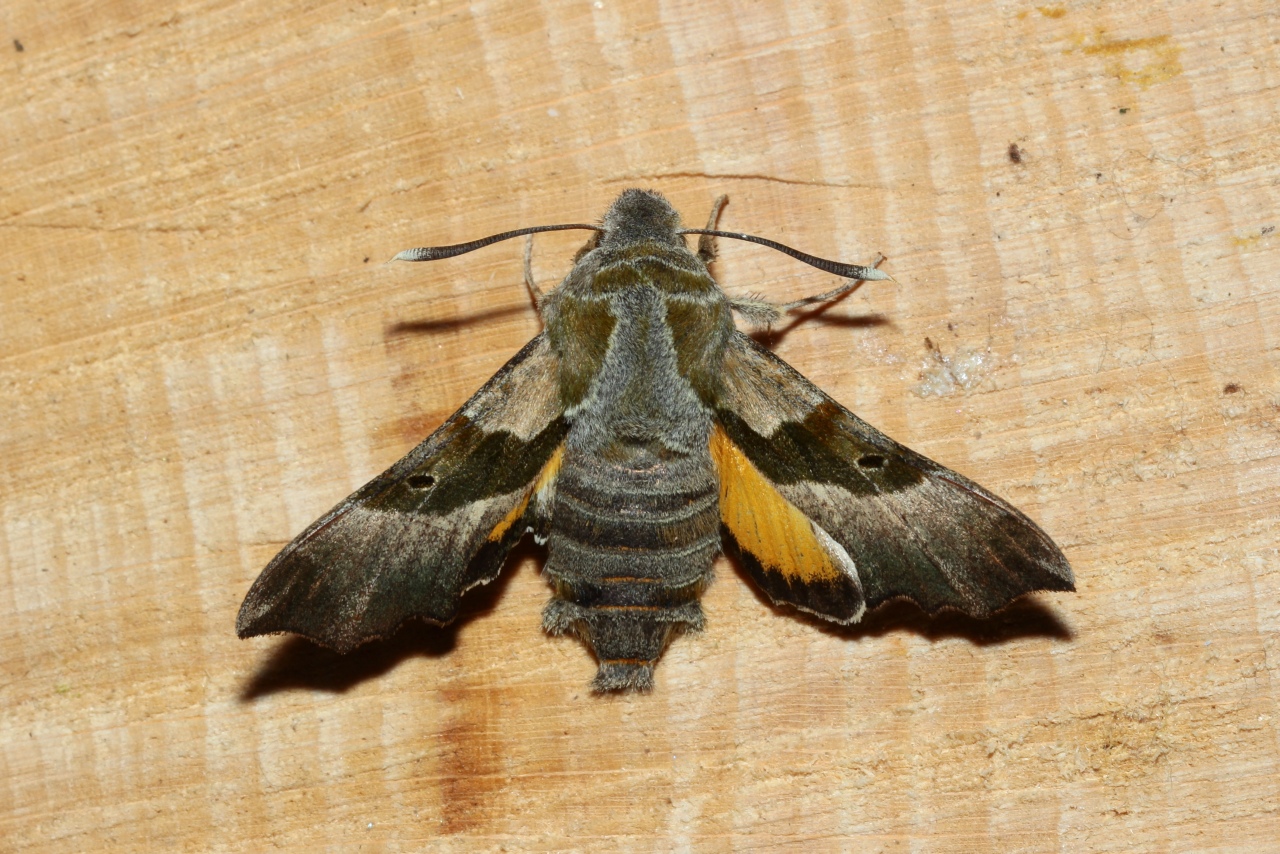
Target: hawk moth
x,y
636,436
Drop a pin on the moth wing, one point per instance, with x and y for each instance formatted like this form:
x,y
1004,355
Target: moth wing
x,y
884,521
440,521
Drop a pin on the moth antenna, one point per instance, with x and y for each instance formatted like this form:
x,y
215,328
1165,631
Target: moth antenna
x,y
435,253
848,271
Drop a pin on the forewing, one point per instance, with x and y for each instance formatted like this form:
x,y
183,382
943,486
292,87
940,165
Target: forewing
x,y
437,523
911,527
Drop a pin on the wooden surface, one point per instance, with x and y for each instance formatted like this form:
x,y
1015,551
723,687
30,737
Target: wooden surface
x,y
201,350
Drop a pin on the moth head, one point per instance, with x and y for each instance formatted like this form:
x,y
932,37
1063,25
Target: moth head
x,y
639,215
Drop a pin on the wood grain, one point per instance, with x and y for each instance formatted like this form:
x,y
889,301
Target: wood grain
x,y
201,350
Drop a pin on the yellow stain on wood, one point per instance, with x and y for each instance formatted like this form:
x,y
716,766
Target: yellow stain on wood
x,y
1249,241
763,523
545,477
1163,57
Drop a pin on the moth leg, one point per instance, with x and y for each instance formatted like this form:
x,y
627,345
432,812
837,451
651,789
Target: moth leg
x,y
761,312
757,312
707,250
535,293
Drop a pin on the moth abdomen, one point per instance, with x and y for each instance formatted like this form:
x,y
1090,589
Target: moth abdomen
x,y
630,551
628,640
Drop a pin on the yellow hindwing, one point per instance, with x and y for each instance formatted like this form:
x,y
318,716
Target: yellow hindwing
x,y
764,523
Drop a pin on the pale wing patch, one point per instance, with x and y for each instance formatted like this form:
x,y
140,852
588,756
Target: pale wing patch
x,y
764,392
523,400
771,528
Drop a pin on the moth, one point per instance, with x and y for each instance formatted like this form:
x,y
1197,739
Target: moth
x,y
636,436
